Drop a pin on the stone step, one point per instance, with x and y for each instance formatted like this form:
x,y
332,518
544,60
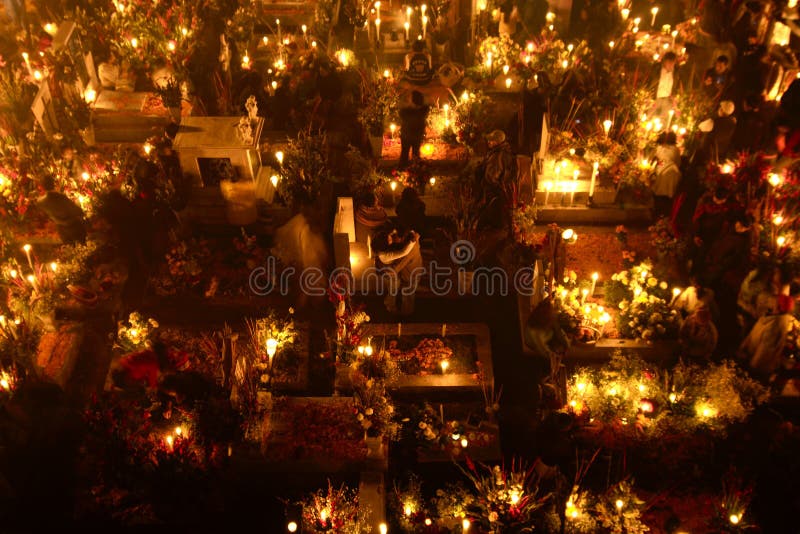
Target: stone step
x,y
603,214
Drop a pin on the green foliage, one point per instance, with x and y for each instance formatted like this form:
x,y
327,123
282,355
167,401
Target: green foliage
x,y
305,170
379,104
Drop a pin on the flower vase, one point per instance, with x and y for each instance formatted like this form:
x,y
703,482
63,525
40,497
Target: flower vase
x,y
175,113
376,143
374,447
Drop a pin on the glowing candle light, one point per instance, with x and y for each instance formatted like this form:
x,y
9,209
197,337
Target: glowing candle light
x,y
406,26
27,248
625,13
278,24
27,63
595,168
595,276
653,12
246,60
584,293
607,126
424,25
171,45
305,32
90,95
279,157
444,365
291,526
505,69
444,329
508,83
548,185
134,42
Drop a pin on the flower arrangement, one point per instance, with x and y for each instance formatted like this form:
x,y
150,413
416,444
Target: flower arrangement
x,y
336,511
255,372
186,262
471,120
424,359
373,407
379,104
408,505
620,510
349,327
494,53
628,394
644,303
304,170
505,499
136,333
524,223
417,175
664,239
436,432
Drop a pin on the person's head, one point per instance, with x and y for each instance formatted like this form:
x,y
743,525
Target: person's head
x,y
726,108
721,64
668,61
48,182
417,98
367,199
543,315
409,195
721,194
496,137
752,102
418,46
667,138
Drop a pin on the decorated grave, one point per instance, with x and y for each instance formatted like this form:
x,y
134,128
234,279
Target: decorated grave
x,y
430,358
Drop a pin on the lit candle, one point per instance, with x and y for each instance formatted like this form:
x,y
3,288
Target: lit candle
x,y
595,168
548,185
423,8
653,12
573,188
378,30
408,15
279,157
305,30
245,60
406,26
424,25
27,63
625,13
670,114
595,276
392,128
27,249
444,329
400,325
607,126
584,292
446,109
278,24
508,83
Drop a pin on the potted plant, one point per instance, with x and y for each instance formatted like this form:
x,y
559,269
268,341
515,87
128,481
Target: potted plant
x,y
379,103
171,97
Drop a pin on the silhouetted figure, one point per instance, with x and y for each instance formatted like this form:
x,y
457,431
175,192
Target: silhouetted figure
x,y
411,211
67,216
412,127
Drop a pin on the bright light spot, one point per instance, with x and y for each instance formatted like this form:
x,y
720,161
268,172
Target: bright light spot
x,y
134,42
274,180
279,157
619,504
444,365
464,443
292,526
735,518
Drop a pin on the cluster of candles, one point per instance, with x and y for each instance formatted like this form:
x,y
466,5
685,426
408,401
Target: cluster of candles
x,y
171,438
566,185
410,508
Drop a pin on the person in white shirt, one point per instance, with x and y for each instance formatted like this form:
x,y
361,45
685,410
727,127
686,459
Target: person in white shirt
x,y
666,83
401,256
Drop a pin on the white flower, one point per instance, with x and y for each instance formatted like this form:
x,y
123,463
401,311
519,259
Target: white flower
x,y
369,411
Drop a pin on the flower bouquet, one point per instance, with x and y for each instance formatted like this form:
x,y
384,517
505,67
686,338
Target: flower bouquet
x,y
136,333
336,511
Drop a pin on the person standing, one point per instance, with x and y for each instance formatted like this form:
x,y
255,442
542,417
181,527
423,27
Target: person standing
x,y
419,64
667,175
413,120
509,17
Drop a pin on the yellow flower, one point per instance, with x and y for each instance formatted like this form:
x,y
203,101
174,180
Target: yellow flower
x,y
652,282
